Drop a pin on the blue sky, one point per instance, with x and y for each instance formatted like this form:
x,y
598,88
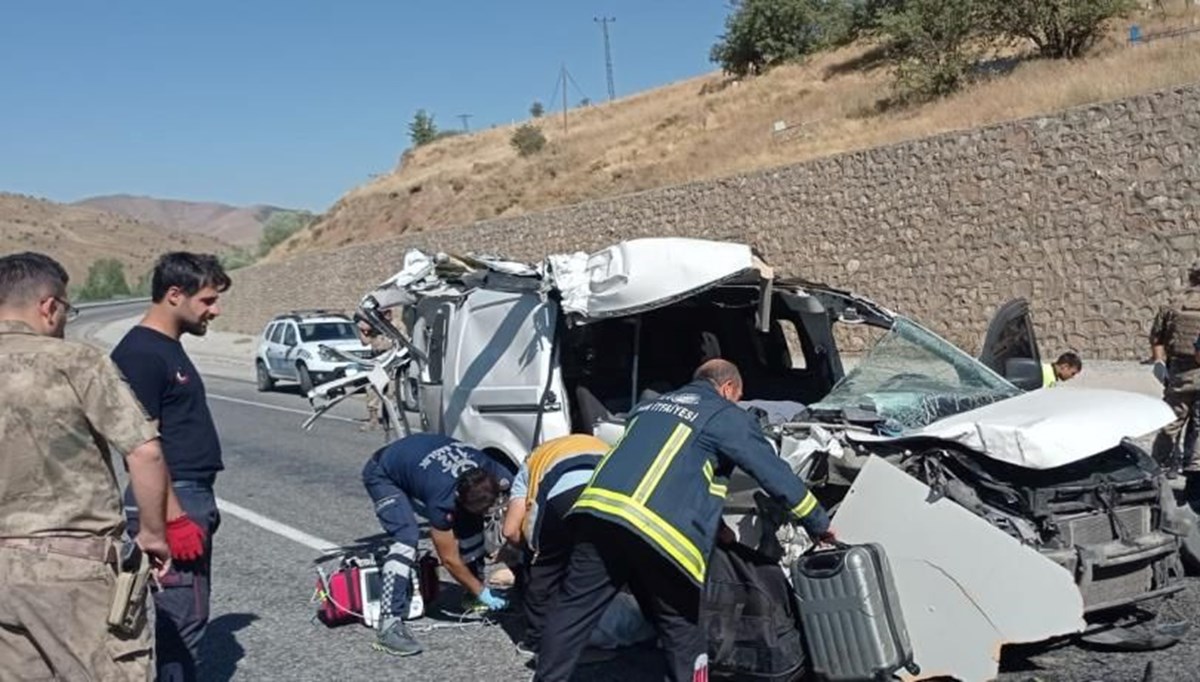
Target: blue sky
x,y
293,102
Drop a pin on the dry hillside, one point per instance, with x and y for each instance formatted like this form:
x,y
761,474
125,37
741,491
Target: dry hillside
x,y
78,236
230,224
710,126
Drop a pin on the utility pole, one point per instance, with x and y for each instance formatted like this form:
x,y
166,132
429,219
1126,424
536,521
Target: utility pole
x,y
463,118
608,67
564,95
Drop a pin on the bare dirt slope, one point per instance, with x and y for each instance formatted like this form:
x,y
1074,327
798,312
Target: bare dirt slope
x,y
79,236
240,226
710,127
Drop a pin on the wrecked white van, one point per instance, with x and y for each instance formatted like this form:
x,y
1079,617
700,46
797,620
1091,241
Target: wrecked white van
x,y
505,355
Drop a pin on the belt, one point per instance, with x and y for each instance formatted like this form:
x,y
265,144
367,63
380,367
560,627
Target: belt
x,y
100,549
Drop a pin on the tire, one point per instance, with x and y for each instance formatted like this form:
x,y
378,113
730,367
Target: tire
x,y
264,380
306,382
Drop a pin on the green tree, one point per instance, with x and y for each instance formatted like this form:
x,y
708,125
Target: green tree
x,y
422,130
1060,29
760,34
536,109
934,43
238,257
280,226
528,139
105,280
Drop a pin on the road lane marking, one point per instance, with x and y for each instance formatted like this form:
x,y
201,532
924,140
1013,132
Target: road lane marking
x,y
281,529
277,408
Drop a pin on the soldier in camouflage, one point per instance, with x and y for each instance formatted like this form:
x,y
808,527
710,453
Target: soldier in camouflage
x,y
61,521
1172,339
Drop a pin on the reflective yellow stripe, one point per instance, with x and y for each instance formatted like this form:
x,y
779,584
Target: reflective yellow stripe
x,y
604,460
656,529
661,462
718,489
805,506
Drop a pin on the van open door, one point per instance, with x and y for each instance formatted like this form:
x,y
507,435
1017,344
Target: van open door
x,y
1010,347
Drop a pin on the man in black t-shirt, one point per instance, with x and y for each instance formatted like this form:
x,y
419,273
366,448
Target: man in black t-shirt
x,y
185,290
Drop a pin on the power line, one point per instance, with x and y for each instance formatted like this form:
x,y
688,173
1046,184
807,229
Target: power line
x,y
608,65
464,118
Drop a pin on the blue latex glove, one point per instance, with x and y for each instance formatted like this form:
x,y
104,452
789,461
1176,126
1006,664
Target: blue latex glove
x,y
493,602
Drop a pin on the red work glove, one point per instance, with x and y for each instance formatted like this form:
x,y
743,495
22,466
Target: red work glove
x,y
185,537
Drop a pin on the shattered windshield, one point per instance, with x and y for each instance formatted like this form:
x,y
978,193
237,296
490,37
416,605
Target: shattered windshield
x,y
915,377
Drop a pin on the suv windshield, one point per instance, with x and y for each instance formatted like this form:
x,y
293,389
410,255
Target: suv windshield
x,y
326,331
915,377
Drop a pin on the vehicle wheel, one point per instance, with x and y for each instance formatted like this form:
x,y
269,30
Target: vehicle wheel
x,y
306,382
265,382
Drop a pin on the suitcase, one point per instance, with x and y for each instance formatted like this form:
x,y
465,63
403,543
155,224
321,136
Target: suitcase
x,y
850,614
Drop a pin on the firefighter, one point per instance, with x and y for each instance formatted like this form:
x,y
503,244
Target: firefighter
x,y
650,514
451,484
1172,337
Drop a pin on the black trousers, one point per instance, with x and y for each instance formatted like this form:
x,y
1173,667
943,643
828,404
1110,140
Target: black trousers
x,y
182,605
606,558
547,569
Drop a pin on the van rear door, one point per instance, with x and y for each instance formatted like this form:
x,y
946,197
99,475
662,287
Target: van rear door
x,y
503,386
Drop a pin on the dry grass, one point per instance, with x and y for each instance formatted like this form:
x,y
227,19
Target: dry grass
x,y
709,127
79,236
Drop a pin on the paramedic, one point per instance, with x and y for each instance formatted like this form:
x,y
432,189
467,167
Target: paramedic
x,y
1066,367
648,519
1172,337
546,486
184,290
452,485
60,507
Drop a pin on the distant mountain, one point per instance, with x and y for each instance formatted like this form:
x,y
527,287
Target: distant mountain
x,y
241,226
78,236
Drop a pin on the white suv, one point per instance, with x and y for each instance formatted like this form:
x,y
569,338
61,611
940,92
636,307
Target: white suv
x,y
290,349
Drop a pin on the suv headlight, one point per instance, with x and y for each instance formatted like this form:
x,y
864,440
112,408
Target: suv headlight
x,y
326,355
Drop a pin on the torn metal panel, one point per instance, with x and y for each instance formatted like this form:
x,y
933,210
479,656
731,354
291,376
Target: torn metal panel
x,y
966,588
640,274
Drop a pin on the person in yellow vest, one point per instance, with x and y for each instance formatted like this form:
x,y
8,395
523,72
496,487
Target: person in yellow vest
x,y
545,488
1066,367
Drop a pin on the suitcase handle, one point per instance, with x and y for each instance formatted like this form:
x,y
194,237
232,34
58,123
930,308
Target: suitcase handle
x,y
822,564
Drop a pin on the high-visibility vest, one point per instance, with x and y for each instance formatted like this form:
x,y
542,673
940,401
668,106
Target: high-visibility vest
x,y
1049,378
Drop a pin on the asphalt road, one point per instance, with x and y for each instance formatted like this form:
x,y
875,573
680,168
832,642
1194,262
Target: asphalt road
x,y
286,491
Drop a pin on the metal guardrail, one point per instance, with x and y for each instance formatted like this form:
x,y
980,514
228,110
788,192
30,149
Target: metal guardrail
x,y
110,304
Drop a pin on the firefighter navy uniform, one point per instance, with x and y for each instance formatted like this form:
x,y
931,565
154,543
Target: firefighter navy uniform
x,y
649,517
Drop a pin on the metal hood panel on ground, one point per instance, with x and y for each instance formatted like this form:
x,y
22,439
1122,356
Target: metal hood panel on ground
x,y
966,588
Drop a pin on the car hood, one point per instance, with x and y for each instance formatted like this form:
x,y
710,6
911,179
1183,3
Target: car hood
x,y
340,344
1047,428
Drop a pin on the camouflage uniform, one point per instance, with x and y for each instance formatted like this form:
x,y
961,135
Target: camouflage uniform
x,y
61,521
379,345
1177,327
